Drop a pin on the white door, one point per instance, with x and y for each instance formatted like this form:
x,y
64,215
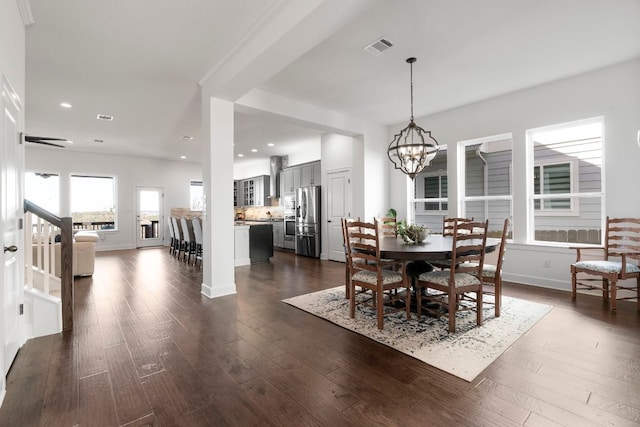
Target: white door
x,y
150,220
338,207
10,184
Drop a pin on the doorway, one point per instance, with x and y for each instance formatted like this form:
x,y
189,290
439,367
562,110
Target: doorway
x,y
338,207
149,218
10,215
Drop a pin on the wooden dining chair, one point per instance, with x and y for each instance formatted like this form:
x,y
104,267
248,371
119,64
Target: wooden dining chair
x,y
463,276
367,271
619,260
492,273
448,230
448,225
388,226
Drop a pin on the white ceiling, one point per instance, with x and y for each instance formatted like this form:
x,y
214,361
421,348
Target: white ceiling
x,y
141,62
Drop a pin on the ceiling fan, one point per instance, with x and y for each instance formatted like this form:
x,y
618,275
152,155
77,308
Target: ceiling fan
x,y
44,140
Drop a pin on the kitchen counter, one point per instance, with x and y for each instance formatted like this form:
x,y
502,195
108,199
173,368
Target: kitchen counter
x,y
253,242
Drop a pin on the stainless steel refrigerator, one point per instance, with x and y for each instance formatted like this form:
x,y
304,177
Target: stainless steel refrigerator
x,y
308,221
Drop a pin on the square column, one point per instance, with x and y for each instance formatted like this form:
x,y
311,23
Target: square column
x,y
218,276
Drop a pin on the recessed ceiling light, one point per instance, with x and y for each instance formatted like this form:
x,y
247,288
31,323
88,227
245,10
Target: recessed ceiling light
x,y
183,157
69,141
104,117
65,105
185,138
271,144
254,150
240,155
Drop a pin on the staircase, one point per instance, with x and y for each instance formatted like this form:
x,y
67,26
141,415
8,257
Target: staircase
x,y
48,296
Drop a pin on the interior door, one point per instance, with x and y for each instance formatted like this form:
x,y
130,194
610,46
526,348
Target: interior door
x,y
338,207
10,185
150,220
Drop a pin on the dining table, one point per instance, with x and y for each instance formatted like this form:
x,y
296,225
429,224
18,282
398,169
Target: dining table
x,y
434,247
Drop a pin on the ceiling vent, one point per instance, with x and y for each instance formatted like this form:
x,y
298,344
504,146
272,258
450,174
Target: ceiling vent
x,y
100,141
378,46
105,117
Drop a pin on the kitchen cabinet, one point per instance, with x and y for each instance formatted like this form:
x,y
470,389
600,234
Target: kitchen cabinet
x,y
252,191
253,243
278,234
290,180
310,174
300,176
237,193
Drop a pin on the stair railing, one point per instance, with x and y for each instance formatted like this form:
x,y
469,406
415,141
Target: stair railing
x,y
41,228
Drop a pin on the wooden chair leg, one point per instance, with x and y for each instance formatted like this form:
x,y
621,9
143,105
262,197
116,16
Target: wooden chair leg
x,y
497,287
479,314
380,308
452,312
418,290
613,285
574,284
352,300
407,301
346,280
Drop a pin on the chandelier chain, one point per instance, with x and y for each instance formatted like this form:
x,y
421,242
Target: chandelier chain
x,y
411,78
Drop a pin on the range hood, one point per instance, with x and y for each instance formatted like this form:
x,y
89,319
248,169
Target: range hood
x,y
275,167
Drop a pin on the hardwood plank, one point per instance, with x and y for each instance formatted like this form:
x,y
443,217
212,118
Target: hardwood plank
x,y
60,404
280,409
131,402
96,404
91,359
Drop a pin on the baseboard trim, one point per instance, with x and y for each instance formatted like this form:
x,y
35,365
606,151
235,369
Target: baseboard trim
x,y
218,291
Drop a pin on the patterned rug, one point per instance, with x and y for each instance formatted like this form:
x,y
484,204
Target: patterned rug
x,y
465,354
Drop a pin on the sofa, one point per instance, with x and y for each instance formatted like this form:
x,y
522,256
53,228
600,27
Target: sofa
x,y
84,254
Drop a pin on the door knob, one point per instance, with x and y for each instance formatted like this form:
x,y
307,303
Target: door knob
x,y
11,248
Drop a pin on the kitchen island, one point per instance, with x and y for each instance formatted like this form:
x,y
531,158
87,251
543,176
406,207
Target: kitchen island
x,y
253,242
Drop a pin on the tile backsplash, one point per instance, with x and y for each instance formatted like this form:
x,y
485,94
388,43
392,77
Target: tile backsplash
x,y
259,212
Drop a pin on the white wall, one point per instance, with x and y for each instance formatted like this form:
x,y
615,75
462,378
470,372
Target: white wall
x,y
130,173
12,46
612,92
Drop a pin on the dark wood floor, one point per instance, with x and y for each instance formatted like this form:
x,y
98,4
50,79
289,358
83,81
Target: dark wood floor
x,y
149,349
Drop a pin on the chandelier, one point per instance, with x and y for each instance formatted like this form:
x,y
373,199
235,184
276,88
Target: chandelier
x,y
409,151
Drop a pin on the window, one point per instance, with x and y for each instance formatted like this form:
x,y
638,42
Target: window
x,y
565,190
431,193
552,179
43,189
435,187
196,195
486,190
93,202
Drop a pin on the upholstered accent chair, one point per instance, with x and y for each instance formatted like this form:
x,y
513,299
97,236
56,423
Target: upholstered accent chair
x,y
619,260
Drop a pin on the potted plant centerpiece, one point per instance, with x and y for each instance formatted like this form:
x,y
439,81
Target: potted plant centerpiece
x,y
412,233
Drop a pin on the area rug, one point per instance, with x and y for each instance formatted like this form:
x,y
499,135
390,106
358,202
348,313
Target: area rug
x,y
465,353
